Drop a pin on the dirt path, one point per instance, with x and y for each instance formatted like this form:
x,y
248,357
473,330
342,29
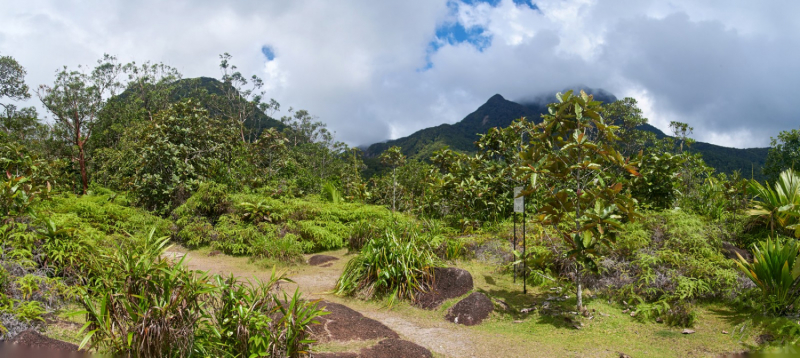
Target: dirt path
x,y
415,325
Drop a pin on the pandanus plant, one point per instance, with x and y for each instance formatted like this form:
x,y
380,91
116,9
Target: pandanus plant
x,y
779,206
775,271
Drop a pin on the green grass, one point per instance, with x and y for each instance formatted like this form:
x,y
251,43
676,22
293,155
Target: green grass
x,y
600,336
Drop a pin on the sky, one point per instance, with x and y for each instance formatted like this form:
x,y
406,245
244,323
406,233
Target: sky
x,y
376,70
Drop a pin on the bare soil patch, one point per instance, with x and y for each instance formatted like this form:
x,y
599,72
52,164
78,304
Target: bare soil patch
x,y
449,282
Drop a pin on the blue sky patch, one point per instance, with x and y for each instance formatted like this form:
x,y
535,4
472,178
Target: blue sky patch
x,y
268,52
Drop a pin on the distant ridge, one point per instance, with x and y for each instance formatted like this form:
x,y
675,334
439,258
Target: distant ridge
x,y
500,112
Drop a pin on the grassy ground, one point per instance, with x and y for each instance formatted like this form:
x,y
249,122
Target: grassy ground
x,y
511,333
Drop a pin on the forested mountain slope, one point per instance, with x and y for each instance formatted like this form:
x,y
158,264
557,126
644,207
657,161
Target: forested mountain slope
x,y
500,112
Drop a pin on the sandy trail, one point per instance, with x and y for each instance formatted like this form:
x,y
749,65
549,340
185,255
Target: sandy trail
x,y
438,335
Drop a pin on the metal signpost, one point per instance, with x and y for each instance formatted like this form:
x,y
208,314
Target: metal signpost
x,y
519,207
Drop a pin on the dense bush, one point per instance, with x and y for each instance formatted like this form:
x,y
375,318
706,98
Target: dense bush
x,y
146,306
667,262
283,228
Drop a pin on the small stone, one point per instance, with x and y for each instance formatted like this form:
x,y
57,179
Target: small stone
x,y
626,310
659,320
586,313
574,313
724,332
576,326
605,314
633,314
623,355
688,331
502,304
527,310
517,321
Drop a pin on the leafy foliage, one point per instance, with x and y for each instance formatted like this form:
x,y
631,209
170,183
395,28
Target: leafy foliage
x,y
778,207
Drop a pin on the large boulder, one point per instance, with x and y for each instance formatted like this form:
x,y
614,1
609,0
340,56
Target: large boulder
x,y
471,310
395,348
449,282
317,260
346,324
730,251
387,348
41,345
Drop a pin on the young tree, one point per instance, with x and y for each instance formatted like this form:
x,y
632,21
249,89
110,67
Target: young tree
x,y
572,149
75,100
394,158
242,102
784,154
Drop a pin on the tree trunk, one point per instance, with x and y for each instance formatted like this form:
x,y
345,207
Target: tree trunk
x,y
394,187
580,287
82,163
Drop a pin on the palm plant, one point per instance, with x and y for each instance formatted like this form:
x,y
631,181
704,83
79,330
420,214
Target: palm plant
x,y
774,271
779,206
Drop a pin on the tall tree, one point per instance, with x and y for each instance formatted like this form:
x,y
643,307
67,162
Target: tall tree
x,y
75,100
12,80
573,150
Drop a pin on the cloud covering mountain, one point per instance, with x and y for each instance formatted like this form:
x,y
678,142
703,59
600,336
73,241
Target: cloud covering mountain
x,y
375,70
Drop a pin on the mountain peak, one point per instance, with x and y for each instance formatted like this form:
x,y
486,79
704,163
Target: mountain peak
x,y
496,98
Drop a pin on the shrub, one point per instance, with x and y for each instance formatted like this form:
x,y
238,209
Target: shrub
x,y
775,271
209,201
666,262
388,266
143,305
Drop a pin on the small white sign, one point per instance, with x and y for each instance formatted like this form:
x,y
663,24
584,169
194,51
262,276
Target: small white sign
x,y
519,201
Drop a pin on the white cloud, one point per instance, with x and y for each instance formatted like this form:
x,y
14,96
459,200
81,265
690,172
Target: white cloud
x,y
726,68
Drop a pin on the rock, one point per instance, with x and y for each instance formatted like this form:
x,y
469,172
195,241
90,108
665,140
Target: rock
x,y
393,348
41,344
626,310
764,338
449,282
623,355
730,251
346,324
659,320
633,314
317,260
687,331
518,321
527,310
336,355
471,310
502,304
724,332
